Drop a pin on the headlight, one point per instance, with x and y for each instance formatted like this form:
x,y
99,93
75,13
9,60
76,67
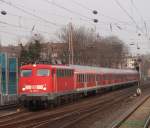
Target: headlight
x,y
44,88
23,89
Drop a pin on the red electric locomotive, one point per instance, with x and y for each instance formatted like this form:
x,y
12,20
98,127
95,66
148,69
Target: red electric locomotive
x,y
41,84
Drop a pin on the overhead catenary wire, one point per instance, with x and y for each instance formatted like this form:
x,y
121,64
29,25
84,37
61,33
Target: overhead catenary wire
x,y
80,18
81,5
10,33
85,19
146,28
138,12
137,26
29,13
28,18
116,22
109,17
16,26
126,12
58,15
90,9
66,9
50,13
54,14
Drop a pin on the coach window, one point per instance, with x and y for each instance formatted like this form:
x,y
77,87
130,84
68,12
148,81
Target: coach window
x,y
58,72
104,78
82,77
70,73
97,77
88,76
62,72
67,73
78,78
26,73
43,72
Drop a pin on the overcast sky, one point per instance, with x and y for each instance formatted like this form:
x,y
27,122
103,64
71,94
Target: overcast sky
x,y
123,18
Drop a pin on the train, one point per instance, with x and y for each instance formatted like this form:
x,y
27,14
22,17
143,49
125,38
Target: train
x,y
44,85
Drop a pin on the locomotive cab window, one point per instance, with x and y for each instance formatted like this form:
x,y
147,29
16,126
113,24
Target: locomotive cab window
x,y
43,72
26,73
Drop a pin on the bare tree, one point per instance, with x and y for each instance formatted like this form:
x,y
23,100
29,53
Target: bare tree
x,y
90,50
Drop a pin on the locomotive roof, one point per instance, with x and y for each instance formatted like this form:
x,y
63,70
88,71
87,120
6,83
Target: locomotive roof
x,y
62,66
46,66
35,65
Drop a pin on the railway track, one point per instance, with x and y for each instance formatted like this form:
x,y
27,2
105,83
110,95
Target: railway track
x,y
8,110
66,116
10,106
67,121
147,123
134,114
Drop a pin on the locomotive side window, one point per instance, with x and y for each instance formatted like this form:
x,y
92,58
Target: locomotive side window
x,y
26,73
97,77
64,72
43,72
58,73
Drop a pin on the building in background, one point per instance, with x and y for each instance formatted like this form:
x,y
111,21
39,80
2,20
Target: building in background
x,y
13,51
53,52
131,62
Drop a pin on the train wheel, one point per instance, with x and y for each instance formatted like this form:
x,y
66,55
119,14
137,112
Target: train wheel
x,y
45,104
71,98
58,101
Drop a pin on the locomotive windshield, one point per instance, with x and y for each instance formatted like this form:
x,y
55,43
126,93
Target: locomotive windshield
x,y
43,72
26,73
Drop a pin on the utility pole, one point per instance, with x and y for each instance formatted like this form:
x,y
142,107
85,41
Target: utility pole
x,y
139,71
71,50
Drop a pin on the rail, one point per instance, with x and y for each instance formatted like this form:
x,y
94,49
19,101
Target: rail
x,y
9,106
147,123
130,112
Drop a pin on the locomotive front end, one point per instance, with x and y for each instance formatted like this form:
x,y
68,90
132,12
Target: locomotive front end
x,y
35,84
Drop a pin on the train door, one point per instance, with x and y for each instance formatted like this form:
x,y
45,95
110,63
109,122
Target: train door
x,y
85,80
54,78
75,80
61,83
